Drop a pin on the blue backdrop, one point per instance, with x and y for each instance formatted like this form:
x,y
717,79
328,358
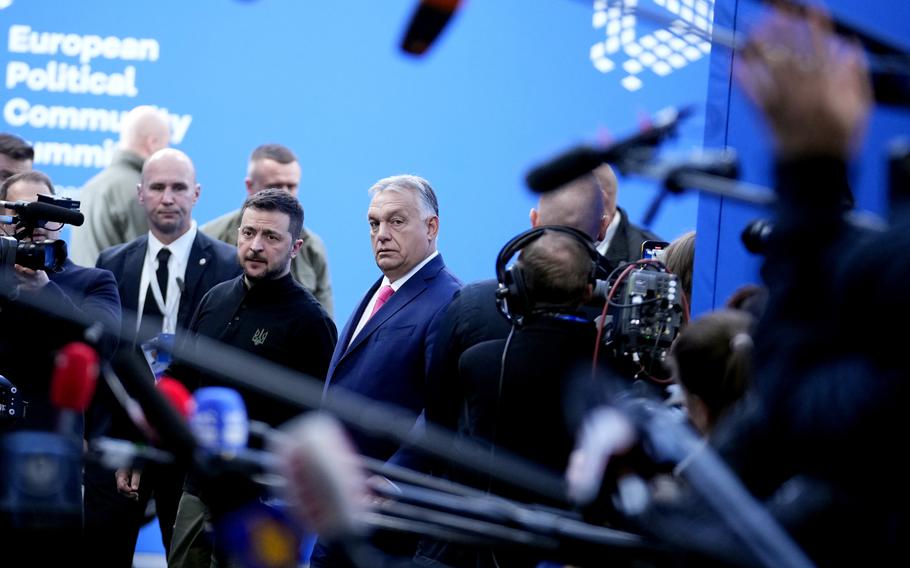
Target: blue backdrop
x,y
510,82
722,263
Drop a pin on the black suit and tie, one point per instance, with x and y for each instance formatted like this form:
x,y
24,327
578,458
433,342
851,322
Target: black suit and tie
x,y
112,520
162,276
211,262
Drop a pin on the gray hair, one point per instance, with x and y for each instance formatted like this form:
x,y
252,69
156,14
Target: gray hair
x,y
416,184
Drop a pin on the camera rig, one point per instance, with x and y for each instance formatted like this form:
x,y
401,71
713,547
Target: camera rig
x,y
644,311
46,255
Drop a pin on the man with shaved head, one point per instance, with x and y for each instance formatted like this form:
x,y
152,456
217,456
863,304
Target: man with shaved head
x,y
162,276
112,214
579,204
274,166
621,241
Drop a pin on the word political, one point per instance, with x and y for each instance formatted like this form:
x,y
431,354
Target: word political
x,y
81,78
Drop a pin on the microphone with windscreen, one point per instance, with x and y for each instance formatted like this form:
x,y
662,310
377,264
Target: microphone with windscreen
x,y
326,488
220,423
178,395
41,471
73,384
427,22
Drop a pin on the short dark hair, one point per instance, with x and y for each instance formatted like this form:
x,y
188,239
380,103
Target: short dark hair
x,y
278,200
556,269
15,147
276,152
33,176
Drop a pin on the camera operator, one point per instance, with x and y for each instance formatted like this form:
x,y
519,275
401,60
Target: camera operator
x,y
87,292
514,388
472,316
41,455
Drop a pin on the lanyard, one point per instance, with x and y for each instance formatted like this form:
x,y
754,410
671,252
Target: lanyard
x,y
168,309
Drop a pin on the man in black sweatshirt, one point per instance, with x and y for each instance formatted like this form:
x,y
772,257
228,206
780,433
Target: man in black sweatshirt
x,y
265,312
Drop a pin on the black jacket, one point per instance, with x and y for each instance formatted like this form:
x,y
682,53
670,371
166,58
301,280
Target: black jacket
x,y
210,263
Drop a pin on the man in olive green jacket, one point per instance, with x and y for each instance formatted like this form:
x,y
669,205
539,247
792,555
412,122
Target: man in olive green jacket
x,y
110,204
276,166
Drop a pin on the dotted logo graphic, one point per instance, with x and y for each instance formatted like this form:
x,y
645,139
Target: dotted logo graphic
x,y
662,51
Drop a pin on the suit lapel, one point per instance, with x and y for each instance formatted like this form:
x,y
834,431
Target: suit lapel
x,y
345,337
619,245
199,260
413,288
132,272
355,318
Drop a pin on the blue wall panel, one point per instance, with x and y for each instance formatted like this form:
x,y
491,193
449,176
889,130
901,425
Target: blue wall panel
x,y
722,263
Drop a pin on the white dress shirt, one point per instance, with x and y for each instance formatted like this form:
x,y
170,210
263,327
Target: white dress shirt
x,y
604,245
176,266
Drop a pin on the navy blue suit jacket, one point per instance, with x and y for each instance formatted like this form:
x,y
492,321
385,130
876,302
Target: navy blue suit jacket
x,y
388,359
92,292
211,262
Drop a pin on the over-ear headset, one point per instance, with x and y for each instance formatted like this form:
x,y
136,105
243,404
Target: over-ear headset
x,y
512,296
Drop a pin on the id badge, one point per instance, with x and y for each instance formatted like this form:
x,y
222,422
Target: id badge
x,y
157,352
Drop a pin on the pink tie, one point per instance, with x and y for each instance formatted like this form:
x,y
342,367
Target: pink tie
x,y
384,294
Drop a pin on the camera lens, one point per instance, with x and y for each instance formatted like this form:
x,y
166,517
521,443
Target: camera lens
x,y
47,255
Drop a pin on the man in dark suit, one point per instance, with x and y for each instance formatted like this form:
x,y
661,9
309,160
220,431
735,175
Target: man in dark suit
x,y
162,276
384,349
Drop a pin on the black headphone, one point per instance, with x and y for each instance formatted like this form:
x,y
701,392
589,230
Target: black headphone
x,y
512,297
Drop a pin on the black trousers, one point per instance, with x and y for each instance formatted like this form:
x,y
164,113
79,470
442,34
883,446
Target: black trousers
x,y
112,520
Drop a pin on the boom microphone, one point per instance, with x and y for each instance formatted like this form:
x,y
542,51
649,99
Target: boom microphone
x,y
428,21
668,440
580,160
34,211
